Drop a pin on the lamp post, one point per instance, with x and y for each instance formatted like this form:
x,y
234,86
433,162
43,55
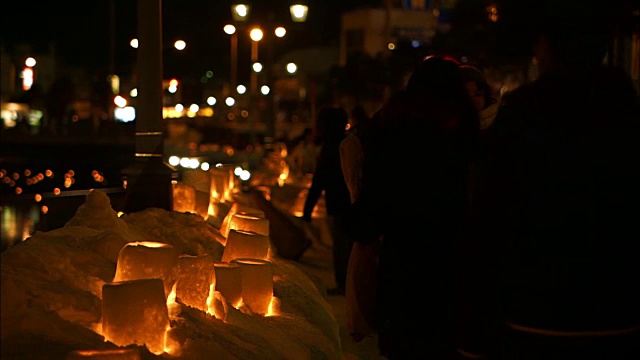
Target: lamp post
x,y
240,13
233,76
256,35
148,179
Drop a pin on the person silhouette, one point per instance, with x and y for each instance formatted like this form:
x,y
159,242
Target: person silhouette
x,y
556,222
329,180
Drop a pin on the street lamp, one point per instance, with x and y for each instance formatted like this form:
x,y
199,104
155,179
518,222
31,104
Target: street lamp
x,y
299,12
240,12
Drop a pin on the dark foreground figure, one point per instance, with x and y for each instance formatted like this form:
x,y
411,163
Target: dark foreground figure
x,y
556,218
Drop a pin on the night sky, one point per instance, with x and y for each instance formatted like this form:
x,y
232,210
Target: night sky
x,y
81,29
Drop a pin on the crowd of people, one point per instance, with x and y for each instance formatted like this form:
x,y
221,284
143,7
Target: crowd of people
x,y
516,241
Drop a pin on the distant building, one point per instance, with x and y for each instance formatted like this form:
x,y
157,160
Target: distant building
x,y
378,29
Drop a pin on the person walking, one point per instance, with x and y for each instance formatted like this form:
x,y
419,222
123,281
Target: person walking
x,y
363,262
329,180
558,225
430,126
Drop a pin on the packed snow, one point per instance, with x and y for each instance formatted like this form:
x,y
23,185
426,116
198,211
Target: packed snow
x,y
52,285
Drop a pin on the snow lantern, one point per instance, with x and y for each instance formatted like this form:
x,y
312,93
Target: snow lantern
x,y
228,281
248,222
146,260
184,198
135,312
235,209
245,244
201,181
111,354
257,283
219,183
195,274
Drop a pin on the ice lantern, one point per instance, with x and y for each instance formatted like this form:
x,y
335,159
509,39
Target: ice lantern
x,y
146,260
235,209
245,244
248,222
228,281
257,283
135,312
195,274
184,198
201,181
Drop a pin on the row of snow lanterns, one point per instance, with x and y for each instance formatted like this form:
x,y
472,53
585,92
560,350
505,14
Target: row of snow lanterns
x,y
152,279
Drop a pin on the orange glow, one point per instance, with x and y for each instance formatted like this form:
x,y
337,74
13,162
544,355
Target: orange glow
x,y
44,209
56,191
40,176
71,172
38,198
27,172
18,190
173,83
48,173
15,176
117,354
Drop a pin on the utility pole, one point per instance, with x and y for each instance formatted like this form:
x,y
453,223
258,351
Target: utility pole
x,y
148,179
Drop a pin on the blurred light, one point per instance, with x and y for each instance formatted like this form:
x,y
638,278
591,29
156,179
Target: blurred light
x,y
257,67
391,46
229,29
134,43
194,108
291,68
237,171
194,163
120,101
172,89
211,100
240,12
209,74
179,107
204,166
134,92
229,101
27,78
256,34
280,31
174,160
184,162
241,89
173,83
415,43
180,44
299,12
125,114
38,198
265,90
245,175
30,62
244,113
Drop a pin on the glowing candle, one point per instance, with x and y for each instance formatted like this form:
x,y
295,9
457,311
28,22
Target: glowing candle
x,y
245,244
195,275
257,283
135,312
228,281
146,260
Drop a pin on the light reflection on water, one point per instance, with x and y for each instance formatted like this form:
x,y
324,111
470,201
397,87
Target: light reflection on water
x,y
18,223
